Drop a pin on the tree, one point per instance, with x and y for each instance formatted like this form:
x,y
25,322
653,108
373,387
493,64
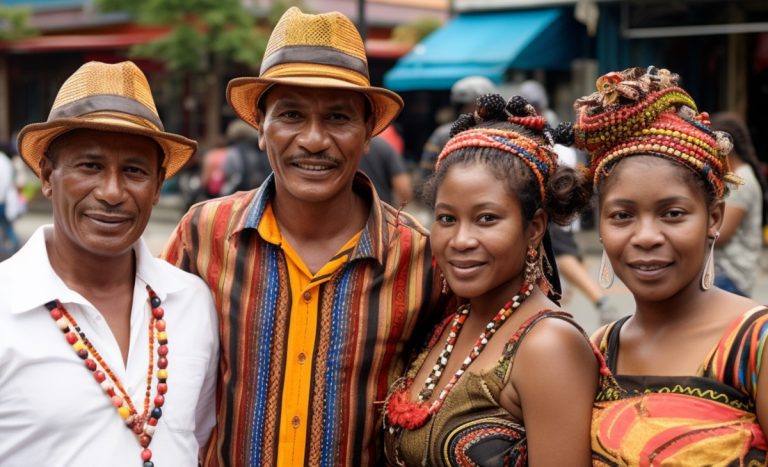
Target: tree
x,y
14,23
205,37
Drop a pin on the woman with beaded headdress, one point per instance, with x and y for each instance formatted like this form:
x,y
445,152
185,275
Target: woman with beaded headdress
x,y
508,377
686,385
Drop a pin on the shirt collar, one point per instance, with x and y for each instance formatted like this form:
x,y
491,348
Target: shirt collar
x,y
373,240
34,283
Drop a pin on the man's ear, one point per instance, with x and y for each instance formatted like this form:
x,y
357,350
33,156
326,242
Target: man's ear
x,y
259,128
46,169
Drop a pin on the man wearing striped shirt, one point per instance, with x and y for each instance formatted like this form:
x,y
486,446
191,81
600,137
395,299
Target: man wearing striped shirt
x,y
318,284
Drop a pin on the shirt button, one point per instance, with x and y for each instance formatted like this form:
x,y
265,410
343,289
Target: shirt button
x,y
302,358
307,296
295,421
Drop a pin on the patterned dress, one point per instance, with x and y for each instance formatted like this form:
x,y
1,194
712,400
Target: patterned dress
x,y
707,419
471,428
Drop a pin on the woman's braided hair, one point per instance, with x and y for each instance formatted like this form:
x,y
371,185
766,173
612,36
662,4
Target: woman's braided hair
x,y
517,145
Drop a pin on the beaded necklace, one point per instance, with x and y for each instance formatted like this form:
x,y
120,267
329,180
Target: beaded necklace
x,y
401,412
143,425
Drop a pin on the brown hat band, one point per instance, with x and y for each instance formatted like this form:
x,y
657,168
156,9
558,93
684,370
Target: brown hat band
x,y
105,102
316,55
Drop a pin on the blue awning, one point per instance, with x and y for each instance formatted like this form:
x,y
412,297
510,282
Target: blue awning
x,y
489,44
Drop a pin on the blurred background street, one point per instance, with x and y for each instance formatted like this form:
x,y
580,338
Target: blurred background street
x,y
169,211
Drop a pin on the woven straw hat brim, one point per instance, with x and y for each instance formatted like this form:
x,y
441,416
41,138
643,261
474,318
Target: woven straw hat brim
x,y
243,94
34,139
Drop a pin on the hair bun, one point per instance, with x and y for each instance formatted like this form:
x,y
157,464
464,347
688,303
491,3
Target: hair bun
x,y
517,106
464,122
563,134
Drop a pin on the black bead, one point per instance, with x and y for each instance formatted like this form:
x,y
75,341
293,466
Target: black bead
x,y
491,107
518,106
464,122
157,413
149,464
155,302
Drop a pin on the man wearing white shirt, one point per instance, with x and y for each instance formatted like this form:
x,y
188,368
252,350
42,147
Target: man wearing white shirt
x,y
108,355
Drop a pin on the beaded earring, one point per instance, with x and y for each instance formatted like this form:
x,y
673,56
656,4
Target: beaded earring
x,y
533,270
708,275
605,274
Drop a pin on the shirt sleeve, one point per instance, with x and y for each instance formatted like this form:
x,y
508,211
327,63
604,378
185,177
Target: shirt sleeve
x,y
175,251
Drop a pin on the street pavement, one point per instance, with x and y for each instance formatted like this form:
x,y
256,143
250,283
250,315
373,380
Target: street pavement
x,y
169,211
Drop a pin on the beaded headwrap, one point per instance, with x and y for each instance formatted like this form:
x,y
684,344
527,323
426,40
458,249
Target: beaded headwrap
x,y
644,112
539,157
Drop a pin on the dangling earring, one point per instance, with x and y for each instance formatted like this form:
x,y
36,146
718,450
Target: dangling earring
x,y
532,266
708,275
605,274
443,284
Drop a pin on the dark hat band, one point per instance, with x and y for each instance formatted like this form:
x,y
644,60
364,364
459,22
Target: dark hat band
x,y
317,55
105,103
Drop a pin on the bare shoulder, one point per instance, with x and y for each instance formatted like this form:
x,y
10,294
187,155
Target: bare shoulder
x,y
555,342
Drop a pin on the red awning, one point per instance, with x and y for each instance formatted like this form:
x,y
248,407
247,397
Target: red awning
x,y
376,48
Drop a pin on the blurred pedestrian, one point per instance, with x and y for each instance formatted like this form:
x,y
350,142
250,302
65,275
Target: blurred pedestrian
x,y
10,207
387,171
687,381
245,165
738,246
464,93
88,373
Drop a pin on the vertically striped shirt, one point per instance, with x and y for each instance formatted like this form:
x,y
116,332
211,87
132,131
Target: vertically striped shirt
x,y
367,311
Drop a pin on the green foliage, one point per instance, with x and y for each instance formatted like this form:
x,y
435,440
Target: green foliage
x,y
14,23
414,31
201,31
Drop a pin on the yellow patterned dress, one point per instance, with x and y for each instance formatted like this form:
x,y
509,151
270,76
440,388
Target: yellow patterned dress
x,y
707,419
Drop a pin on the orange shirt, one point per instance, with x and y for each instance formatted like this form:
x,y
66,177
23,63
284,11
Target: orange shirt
x,y
302,329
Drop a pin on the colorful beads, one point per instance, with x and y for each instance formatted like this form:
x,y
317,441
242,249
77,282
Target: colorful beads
x,y
401,412
143,425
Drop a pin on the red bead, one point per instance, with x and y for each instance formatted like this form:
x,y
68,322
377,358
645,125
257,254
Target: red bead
x,y
90,364
99,376
158,312
160,325
111,391
145,440
162,350
138,429
162,362
146,455
56,314
159,400
117,401
83,353
152,421
71,337
162,388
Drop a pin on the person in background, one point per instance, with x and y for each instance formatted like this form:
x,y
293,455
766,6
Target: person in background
x,y
688,375
508,378
567,251
464,93
737,260
245,166
9,206
387,171
108,355
319,284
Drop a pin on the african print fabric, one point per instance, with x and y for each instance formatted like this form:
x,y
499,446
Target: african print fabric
x,y
706,419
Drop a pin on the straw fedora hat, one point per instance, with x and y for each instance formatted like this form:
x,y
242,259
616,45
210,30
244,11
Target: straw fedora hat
x,y
108,97
318,51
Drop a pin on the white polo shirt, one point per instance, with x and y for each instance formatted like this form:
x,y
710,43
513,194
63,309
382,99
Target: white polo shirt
x,y
52,411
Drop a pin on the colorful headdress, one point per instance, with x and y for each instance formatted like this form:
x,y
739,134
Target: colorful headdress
x,y
644,112
538,156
